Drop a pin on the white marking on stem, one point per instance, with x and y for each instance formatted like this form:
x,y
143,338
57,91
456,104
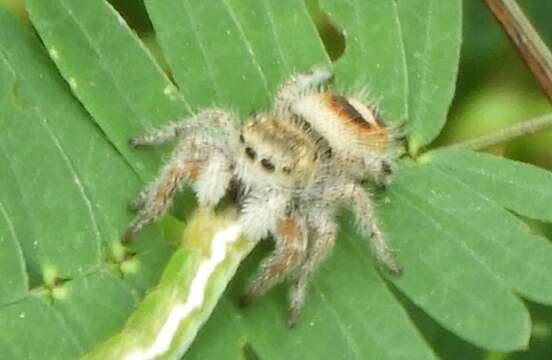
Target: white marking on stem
x,y
181,311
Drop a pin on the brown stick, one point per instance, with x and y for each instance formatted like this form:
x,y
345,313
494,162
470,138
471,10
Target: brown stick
x,y
532,49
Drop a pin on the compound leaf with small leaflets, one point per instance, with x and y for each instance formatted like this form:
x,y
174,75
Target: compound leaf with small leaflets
x,y
91,83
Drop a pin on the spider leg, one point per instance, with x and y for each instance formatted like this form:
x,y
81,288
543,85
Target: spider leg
x,y
322,230
157,198
213,180
198,159
209,118
380,169
291,246
139,201
207,169
193,148
367,221
300,84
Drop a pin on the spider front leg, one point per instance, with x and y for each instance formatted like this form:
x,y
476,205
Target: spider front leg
x,y
210,178
322,230
157,198
213,118
379,169
198,159
291,246
299,85
139,201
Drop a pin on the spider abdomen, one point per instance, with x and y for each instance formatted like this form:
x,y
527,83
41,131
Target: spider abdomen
x,y
344,121
353,130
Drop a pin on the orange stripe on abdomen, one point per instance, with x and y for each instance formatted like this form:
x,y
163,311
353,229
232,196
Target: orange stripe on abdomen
x,y
346,111
370,130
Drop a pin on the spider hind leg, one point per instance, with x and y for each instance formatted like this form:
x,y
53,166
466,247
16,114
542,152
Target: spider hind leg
x,y
291,248
368,224
322,228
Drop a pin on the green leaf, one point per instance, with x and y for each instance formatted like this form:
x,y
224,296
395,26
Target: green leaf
x,y
500,240
32,330
63,205
431,31
464,256
406,53
86,297
374,55
456,267
523,188
235,53
74,216
110,71
12,227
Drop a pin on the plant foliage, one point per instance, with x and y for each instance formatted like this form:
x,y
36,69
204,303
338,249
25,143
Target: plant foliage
x,y
69,104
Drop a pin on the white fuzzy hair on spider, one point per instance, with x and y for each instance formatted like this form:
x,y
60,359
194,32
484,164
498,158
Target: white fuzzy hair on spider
x,y
293,167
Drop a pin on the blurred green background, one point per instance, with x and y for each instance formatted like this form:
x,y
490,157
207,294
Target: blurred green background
x,y
494,90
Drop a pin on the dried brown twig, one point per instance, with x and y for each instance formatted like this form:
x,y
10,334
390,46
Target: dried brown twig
x,y
538,58
526,40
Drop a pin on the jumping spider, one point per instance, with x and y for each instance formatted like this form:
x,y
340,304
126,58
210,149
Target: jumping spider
x,y
294,167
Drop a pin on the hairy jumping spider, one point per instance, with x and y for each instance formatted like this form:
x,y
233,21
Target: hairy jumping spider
x,y
295,166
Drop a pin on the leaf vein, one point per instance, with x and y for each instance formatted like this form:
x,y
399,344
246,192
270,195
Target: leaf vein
x,y
247,44
17,243
210,72
108,71
344,330
478,303
77,180
275,33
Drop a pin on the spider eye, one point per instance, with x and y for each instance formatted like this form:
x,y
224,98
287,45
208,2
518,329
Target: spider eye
x,y
286,170
315,156
242,140
386,168
250,153
267,164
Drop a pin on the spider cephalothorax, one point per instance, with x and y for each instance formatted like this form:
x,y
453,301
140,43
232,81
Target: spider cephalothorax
x,y
295,167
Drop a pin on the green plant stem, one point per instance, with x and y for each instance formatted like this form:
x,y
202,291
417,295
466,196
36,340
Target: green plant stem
x,y
527,41
167,320
525,128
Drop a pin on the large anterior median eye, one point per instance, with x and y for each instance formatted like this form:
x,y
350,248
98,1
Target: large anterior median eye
x,y
267,164
250,153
